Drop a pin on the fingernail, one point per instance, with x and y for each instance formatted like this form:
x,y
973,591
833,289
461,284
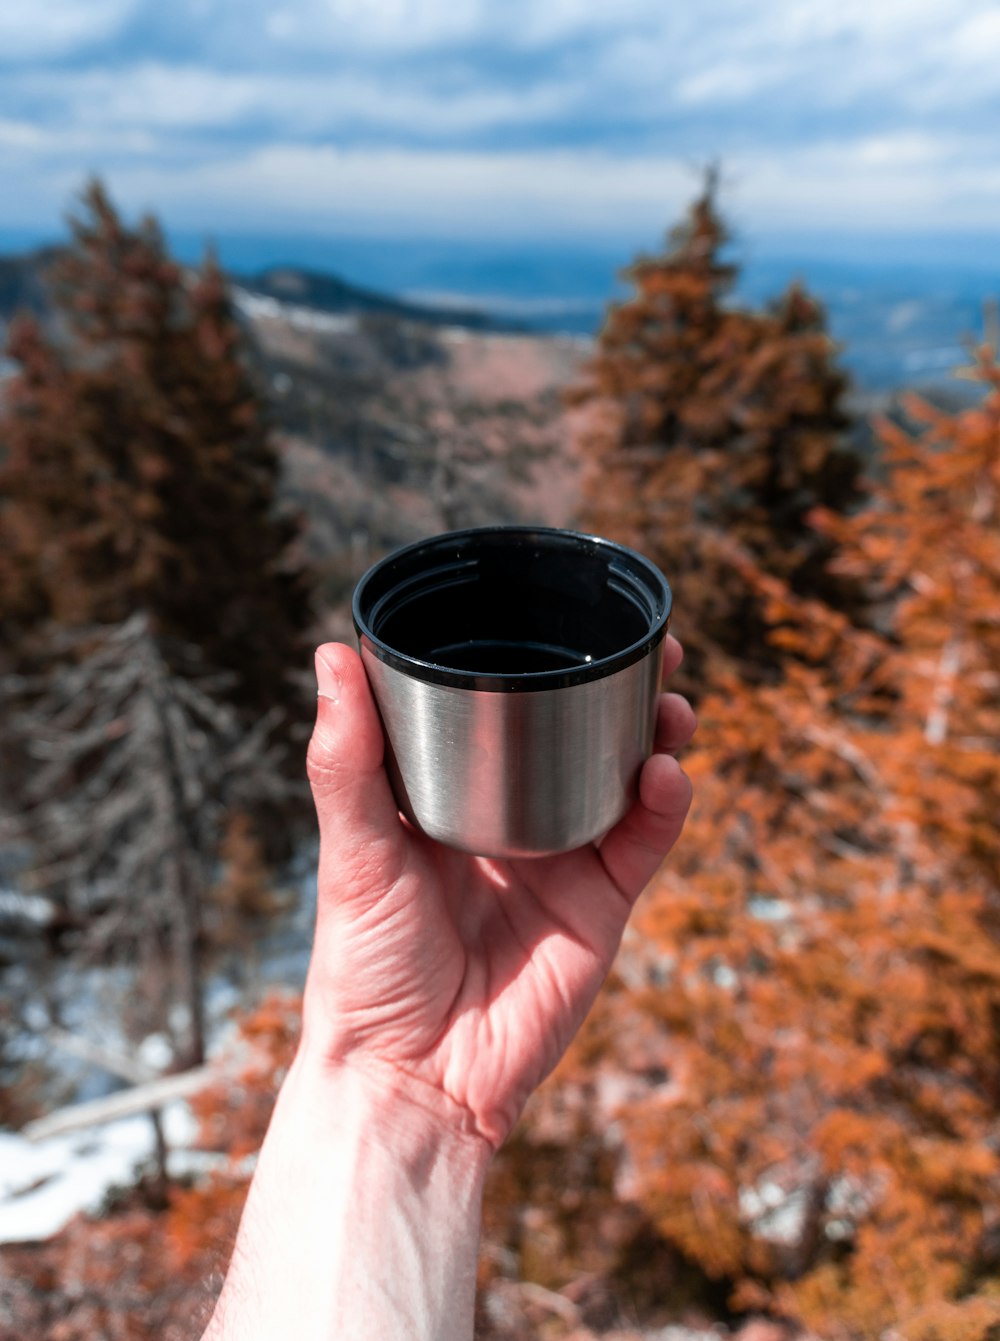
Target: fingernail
x,y
327,680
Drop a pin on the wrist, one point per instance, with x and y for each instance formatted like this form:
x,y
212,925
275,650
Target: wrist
x,y
366,1098
363,1216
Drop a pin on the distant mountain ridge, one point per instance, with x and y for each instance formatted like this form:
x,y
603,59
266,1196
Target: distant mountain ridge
x,y
23,287
898,326
329,293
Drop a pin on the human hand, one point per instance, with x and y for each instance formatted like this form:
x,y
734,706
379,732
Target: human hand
x,y
442,989
459,981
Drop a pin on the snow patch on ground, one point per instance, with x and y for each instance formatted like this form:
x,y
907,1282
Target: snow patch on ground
x,y
43,1184
261,307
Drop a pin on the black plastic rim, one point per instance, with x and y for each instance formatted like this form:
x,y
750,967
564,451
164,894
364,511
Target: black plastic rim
x,y
631,575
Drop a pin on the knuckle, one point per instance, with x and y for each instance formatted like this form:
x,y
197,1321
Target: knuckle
x,y
322,768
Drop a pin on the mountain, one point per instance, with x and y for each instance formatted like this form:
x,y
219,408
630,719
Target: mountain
x,y
898,324
394,420
901,321
323,292
22,286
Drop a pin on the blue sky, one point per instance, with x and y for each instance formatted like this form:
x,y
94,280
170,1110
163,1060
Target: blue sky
x,y
869,121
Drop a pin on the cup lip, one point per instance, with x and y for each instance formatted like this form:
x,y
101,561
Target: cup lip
x,y
529,681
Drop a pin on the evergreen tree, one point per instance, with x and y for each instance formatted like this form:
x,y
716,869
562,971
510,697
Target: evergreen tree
x,y
152,607
138,475
711,433
134,769
814,989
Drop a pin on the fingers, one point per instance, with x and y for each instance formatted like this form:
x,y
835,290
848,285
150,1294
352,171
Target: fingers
x,y
358,817
633,850
675,724
673,655
636,846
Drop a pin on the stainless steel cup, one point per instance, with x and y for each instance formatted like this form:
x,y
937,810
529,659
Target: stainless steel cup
x,y
516,671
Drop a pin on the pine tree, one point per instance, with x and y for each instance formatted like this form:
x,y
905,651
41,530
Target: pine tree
x,y
133,770
138,474
711,433
814,989
147,573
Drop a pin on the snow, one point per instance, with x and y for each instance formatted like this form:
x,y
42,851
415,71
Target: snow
x,y
261,307
44,1183
766,909
31,909
155,1053
775,1213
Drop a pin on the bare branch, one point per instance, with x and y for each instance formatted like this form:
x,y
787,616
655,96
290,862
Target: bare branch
x,y
140,1099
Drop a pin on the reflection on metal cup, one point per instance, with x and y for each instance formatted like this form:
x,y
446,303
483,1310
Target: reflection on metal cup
x,y
516,671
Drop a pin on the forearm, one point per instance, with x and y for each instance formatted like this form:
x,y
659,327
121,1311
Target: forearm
x,y
362,1220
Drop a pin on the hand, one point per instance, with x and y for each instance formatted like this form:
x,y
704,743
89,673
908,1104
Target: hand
x,y
459,981
443,988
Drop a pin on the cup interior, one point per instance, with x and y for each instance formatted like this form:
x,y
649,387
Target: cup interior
x,y
511,602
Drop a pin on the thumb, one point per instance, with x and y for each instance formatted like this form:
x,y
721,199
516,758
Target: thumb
x,y
360,830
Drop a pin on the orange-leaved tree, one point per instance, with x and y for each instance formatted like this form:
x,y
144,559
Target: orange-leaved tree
x,y
813,998
706,424
138,473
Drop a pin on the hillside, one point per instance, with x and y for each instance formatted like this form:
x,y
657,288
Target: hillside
x,y
311,289
393,429
398,419
395,420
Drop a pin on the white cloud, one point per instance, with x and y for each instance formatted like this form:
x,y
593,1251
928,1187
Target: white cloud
x,y
54,27
21,135
727,82
807,57
868,184
421,191
978,38
903,151
438,67
162,98
532,24
159,96
417,25
376,25
886,184
824,115
897,22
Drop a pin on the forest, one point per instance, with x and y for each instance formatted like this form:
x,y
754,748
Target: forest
x,y
782,1116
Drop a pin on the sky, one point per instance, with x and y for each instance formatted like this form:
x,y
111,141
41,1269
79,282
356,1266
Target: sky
x,y
864,123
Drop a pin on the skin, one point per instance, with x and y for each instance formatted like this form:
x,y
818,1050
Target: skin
x,y
443,988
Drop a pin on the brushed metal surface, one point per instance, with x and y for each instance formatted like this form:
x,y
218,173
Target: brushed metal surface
x,y
521,773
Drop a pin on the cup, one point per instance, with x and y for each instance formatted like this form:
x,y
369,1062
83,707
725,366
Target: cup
x,y
516,671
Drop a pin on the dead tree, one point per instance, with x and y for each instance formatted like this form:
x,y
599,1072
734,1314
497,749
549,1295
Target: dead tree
x,y
135,768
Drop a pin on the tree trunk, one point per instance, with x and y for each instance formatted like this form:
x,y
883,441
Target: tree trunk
x,y
187,955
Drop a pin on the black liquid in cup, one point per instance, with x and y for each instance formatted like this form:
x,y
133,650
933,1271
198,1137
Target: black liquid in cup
x,y
492,606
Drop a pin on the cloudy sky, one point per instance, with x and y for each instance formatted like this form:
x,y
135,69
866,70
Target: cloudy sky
x,y
563,119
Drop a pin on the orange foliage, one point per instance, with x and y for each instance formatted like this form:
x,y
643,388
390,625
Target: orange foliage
x,y
138,471
137,1274
244,899
711,431
791,1085
820,962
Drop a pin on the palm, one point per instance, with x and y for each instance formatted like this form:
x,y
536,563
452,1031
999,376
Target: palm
x,y
468,974
474,976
